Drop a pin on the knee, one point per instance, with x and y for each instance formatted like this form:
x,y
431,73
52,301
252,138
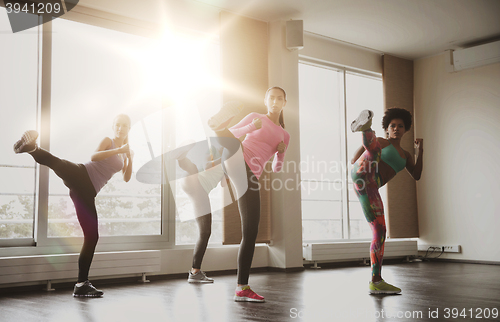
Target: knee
x,y
379,231
249,235
205,234
91,238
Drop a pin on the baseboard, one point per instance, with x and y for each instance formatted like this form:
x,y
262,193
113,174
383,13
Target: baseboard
x,y
463,261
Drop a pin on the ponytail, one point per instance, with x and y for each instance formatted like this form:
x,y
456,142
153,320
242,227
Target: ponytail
x,y
282,122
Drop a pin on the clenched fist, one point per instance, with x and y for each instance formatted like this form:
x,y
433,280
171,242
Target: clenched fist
x,y
258,123
281,147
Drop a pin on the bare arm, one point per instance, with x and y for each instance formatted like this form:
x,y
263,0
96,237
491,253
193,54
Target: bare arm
x,y
415,169
357,154
102,151
211,162
127,165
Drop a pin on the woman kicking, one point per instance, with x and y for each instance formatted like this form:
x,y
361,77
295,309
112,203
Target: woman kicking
x,y
265,137
198,185
84,182
377,162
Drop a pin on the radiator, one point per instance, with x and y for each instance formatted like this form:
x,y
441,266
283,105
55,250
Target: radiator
x,y
345,251
53,267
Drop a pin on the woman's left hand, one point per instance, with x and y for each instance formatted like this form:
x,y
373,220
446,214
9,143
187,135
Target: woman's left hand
x,y
419,144
281,147
130,154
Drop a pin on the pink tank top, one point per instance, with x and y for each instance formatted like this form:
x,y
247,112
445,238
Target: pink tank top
x,y
101,171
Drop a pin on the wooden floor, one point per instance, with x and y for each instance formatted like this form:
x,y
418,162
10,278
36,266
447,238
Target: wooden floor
x,y
326,294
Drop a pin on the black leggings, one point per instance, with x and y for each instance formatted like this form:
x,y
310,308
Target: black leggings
x,y
201,202
205,230
82,192
249,206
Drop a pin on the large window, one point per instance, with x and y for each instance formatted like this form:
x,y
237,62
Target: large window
x,y
169,87
18,112
98,73
330,98
190,115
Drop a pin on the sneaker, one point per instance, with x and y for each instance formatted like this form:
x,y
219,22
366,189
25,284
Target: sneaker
x,y
363,121
199,277
27,143
220,120
382,287
87,290
247,295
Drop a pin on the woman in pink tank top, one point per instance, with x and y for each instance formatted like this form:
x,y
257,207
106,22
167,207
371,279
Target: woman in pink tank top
x,y
84,182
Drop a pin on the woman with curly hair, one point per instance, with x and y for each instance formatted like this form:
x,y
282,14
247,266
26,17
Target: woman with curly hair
x,y
376,163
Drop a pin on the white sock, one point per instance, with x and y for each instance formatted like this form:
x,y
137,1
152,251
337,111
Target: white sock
x,y
80,284
240,288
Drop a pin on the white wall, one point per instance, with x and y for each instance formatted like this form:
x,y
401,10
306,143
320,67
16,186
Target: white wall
x,y
286,219
458,115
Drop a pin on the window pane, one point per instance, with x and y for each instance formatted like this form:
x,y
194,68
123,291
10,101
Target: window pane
x,y
320,220
18,106
324,114
98,73
362,93
191,115
321,105
321,211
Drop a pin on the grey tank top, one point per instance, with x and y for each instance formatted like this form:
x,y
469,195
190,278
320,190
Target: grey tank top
x,y
101,171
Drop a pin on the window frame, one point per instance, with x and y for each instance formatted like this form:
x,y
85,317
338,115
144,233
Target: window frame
x,y
40,243
30,241
346,218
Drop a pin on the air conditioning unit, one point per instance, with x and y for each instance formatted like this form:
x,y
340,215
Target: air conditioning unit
x,y
476,56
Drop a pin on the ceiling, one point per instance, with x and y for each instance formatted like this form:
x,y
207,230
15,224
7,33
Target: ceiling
x,y
409,29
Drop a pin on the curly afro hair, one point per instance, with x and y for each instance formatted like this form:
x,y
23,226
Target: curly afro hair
x,y
397,113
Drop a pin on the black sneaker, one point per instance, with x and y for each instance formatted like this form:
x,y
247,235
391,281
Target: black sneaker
x,y
87,290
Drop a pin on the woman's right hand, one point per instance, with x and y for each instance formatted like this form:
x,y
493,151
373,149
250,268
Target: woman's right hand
x,y
257,122
124,148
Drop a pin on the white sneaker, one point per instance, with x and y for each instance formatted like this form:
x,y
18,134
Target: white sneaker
x,y
363,121
199,277
220,120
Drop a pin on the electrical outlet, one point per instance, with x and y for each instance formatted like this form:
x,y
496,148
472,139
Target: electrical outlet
x,y
451,249
440,248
